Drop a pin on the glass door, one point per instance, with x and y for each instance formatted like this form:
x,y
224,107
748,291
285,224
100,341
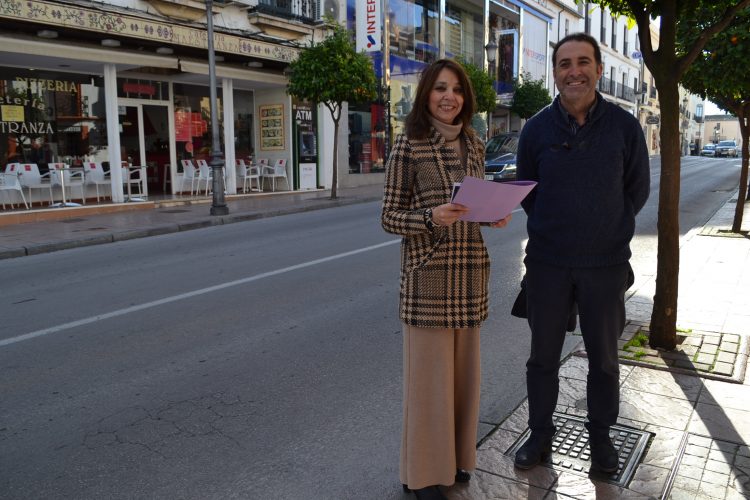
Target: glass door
x,y
144,141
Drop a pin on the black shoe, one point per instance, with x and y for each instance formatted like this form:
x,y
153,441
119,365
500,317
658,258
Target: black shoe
x,y
604,456
533,451
429,493
462,476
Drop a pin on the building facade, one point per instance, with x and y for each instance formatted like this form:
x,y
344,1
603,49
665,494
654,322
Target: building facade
x,y
127,81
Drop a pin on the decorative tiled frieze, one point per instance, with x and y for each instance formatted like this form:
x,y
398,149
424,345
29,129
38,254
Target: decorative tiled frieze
x,y
109,23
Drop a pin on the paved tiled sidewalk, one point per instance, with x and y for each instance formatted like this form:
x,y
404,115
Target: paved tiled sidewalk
x,y
698,414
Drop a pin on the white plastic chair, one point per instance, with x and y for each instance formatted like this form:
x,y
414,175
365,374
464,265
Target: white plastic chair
x,y
189,174
73,179
134,176
277,171
205,174
246,174
93,173
9,182
30,178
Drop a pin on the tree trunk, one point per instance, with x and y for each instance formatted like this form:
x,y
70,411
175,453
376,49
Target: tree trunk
x,y
663,328
335,174
739,209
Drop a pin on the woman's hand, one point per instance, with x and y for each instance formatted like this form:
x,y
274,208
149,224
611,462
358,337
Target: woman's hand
x,y
447,214
502,222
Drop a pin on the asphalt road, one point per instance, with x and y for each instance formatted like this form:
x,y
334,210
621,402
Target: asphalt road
x,y
253,360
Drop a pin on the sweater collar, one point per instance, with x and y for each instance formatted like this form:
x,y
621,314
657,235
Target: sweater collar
x,y
570,119
449,132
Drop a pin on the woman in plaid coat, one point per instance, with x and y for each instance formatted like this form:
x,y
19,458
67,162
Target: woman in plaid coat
x,y
444,280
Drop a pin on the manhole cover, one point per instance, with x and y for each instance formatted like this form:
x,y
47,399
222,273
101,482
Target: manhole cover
x,y
174,211
570,449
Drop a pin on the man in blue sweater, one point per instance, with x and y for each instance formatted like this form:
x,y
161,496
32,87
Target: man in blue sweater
x,y
590,160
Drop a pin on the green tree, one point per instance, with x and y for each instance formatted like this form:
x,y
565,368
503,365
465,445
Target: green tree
x,y
529,96
719,74
668,66
484,91
330,73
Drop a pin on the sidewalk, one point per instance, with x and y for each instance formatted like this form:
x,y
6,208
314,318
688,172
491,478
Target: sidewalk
x,y
50,230
684,425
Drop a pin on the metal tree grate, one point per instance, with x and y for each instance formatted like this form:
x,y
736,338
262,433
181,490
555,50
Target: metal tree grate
x,y
570,449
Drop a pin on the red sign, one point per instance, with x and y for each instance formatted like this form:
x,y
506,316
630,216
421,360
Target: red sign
x,y
138,88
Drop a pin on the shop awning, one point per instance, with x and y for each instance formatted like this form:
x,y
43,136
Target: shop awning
x,y
18,48
262,79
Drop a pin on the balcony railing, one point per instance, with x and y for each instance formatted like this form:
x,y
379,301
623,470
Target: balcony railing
x,y
305,11
615,89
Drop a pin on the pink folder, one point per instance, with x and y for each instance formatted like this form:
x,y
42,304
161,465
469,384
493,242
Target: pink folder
x,y
490,201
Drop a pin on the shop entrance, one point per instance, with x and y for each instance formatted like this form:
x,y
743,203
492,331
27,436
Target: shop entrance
x,y
144,139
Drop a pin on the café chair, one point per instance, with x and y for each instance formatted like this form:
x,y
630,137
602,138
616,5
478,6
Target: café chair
x,y
246,174
61,172
9,182
277,171
94,174
189,174
30,178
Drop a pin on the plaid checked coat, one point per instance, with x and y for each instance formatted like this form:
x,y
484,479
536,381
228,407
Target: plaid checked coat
x,y
444,272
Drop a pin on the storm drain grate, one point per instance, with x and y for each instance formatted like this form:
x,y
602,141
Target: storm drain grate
x,y
174,211
570,449
72,220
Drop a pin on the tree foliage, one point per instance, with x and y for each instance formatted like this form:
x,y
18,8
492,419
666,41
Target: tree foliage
x,y
330,73
668,66
529,97
720,74
484,91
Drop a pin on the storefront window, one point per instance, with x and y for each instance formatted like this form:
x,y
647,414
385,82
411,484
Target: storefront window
x,y
366,138
464,32
243,124
51,117
192,121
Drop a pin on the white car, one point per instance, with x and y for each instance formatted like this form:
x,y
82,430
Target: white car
x,y
709,150
726,148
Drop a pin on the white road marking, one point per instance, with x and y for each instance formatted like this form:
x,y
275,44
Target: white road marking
x,y
188,295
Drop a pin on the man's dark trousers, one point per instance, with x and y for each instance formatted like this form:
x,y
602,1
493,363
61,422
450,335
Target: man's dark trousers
x,y
599,293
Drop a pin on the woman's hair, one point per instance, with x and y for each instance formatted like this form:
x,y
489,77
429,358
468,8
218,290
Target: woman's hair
x,y
418,120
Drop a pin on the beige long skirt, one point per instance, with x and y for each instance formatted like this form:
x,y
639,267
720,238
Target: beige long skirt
x,y
441,404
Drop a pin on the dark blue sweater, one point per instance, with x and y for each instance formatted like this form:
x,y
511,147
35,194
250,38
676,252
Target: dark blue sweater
x,y
591,185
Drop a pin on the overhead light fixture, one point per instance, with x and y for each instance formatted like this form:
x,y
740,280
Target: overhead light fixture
x,y
46,34
164,50
254,64
219,58
110,42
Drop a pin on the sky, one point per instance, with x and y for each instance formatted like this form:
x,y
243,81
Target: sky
x,y
712,109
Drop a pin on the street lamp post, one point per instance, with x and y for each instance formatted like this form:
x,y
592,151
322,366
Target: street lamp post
x,y
218,205
491,49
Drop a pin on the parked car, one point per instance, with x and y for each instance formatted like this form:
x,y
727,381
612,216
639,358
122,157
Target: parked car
x,y
726,148
709,150
500,158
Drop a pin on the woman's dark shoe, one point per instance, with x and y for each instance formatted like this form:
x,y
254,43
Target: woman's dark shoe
x,y
462,476
533,451
429,493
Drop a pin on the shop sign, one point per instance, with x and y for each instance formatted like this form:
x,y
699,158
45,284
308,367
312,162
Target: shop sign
x,y
652,120
138,88
637,55
12,113
369,27
26,128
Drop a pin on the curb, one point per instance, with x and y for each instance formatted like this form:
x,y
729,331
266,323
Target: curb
x,y
317,204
